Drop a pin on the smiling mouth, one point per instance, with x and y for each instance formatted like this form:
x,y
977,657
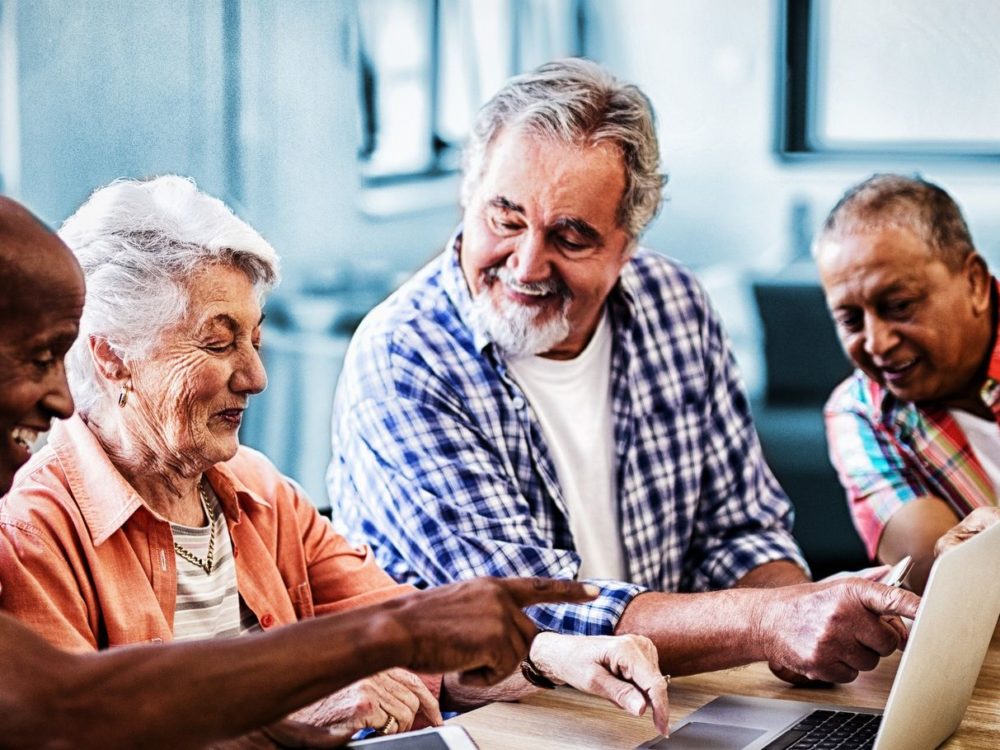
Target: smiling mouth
x,y
896,372
527,291
25,437
532,293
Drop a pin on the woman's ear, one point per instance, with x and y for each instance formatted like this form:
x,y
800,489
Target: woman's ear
x,y
108,362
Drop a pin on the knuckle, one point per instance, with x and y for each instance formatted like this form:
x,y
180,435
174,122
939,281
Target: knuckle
x,y
621,694
632,641
588,678
363,705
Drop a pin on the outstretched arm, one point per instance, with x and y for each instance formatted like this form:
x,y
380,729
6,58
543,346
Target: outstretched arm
x,y
191,694
823,631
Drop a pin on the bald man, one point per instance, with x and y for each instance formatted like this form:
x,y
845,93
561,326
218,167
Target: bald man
x,y
191,695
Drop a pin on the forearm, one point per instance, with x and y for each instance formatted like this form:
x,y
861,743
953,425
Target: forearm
x,y
700,632
773,574
458,697
185,695
913,530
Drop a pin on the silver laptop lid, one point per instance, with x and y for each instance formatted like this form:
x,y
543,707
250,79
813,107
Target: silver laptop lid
x,y
947,646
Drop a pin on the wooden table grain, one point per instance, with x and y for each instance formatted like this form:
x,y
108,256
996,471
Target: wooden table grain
x,y
565,719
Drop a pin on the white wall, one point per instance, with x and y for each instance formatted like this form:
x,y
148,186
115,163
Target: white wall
x,y
710,68
129,88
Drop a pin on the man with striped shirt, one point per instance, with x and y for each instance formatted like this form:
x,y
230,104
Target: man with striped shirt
x,y
915,432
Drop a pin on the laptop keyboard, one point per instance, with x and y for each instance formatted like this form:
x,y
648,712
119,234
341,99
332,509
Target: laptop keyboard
x,y
826,730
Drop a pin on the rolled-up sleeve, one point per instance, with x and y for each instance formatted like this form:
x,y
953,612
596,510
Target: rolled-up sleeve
x,y
871,469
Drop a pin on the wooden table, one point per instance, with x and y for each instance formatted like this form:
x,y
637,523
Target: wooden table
x,y
565,719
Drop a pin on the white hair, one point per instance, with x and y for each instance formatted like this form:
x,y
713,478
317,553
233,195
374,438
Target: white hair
x,y
138,242
576,101
514,328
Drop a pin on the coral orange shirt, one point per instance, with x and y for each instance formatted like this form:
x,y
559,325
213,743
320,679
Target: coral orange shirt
x,y
84,561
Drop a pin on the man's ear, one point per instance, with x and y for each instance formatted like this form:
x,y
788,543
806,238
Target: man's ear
x,y
108,362
980,283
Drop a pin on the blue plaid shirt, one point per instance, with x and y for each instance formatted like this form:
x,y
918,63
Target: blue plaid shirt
x,y
440,464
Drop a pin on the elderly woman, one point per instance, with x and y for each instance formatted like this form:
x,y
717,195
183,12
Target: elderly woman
x,y
144,520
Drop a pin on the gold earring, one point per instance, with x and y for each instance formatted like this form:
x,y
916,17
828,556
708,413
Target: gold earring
x,y
123,396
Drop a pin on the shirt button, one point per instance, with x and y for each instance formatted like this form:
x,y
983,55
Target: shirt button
x,y
518,402
267,620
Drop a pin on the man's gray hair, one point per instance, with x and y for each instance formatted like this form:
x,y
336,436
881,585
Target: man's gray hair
x,y
912,203
138,242
576,101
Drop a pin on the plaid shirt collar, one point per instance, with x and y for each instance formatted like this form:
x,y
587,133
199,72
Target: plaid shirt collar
x,y
457,289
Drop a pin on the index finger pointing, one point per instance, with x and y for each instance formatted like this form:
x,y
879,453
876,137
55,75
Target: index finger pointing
x,y
428,703
528,591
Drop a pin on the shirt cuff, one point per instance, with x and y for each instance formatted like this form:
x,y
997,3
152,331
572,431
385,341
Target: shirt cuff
x,y
726,566
599,617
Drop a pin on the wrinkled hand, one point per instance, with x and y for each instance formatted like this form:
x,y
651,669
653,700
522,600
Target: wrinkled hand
x,y
978,520
290,733
287,733
795,678
624,669
371,701
832,631
875,573
476,627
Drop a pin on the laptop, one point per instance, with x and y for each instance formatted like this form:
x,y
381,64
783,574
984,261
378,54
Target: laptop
x,y
937,674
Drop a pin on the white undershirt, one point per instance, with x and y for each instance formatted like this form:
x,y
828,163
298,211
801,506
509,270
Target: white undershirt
x,y
984,437
572,401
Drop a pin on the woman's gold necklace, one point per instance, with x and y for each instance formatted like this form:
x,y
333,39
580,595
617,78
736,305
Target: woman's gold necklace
x,y
209,560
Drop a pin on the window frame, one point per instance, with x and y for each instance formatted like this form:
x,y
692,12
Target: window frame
x,y
797,111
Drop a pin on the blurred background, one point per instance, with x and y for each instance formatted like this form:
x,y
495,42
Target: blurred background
x,y
335,128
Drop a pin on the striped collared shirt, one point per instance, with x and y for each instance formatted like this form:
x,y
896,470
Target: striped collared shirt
x,y
888,452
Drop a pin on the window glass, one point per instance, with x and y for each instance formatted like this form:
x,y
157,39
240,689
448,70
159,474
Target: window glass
x,y
852,64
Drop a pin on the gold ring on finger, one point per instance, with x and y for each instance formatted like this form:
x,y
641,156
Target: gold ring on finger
x,y
390,726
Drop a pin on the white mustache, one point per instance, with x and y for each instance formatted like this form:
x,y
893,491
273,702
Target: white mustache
x,y
539,288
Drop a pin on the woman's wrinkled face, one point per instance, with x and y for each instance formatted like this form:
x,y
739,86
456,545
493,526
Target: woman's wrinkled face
x,y
188,397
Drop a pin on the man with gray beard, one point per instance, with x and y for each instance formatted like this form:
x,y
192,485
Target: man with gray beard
x,y
549,398
195,694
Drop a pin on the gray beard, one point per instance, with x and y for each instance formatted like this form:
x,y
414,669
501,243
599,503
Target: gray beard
x,y
513,329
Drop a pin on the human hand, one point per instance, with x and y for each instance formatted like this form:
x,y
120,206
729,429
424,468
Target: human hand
x,y
388,701
978,520
832,631
874,573
794,678
475,627
291,733
287,733
624,669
